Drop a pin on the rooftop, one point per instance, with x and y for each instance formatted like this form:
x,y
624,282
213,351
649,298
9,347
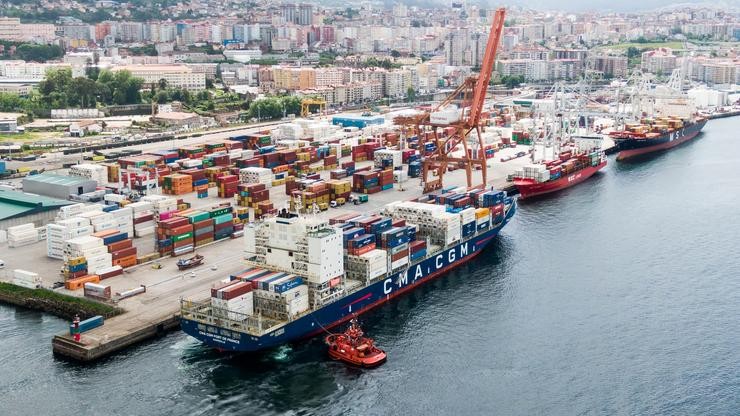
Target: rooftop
x,y
53,179
15,204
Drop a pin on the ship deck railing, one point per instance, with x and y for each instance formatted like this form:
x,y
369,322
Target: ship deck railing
x,y
203,312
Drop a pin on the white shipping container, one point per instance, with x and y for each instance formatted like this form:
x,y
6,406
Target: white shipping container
x,y
399,263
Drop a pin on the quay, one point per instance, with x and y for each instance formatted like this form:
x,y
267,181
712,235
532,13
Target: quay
x,y
155,312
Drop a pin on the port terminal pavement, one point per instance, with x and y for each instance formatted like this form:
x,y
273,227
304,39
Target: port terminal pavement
x,y
156,311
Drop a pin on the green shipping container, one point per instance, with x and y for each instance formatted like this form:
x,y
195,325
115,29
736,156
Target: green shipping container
x,y
223,218
198,216
176,238
215,213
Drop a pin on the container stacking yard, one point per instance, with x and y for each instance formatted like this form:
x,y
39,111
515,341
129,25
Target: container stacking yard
x,y
198,198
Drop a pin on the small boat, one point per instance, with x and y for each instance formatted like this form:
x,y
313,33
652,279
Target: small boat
x,y
354,348
184,264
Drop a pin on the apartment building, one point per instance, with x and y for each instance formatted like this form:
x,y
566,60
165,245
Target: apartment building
x,y
659,61
177,76
615,66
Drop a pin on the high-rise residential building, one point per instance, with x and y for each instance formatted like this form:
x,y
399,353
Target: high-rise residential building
x,y
38,32
659,61
305,14
130,31
615,66
77,31
10,28
456,47
177,76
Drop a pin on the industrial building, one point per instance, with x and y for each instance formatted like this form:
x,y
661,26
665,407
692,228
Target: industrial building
x,y
20,208
57,186
357,121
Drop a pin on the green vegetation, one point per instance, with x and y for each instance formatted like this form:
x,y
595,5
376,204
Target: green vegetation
x,y
60,90
264,61
374,62
512,81
643,45
200,102
148,50
56,303
26,136
44,15
411,94
327,58
274,107
31,51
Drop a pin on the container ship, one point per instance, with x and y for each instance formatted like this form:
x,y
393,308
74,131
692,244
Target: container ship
x,y
306,275
569,167
655,134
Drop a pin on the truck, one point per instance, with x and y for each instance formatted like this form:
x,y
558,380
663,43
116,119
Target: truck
x,y
359,199
337,202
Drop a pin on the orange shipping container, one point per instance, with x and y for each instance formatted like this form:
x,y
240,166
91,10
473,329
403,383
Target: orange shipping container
x,y
79,283
125,261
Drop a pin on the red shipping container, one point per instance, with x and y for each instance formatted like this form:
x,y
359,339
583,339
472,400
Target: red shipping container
x,y
236,290
399,223
181,229
362,250
182,243
219,227
415,246
124,253
202,224
398,256
119,245
111,273
202,237
174,222
221,285
74,275
144,218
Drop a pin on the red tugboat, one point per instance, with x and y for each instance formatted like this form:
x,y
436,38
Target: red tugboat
x,y
354,348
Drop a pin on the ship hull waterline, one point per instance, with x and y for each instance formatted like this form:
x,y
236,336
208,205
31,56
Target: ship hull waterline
x,y
628,150
323,319
529,188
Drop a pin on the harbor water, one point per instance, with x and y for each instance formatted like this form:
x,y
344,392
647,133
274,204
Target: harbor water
x,y
618,296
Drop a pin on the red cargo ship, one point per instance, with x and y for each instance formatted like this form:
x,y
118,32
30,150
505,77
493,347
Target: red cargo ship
x,y
552,176
651,136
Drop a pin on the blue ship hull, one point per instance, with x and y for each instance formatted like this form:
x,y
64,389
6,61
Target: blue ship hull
x,y
351,305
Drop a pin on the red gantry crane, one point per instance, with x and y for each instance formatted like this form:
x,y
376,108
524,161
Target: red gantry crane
x,y
470,95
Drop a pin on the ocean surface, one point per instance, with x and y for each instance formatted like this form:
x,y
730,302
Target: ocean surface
x,y
618,296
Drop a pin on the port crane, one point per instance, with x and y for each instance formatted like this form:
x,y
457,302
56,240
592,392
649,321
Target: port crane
x,y
436,148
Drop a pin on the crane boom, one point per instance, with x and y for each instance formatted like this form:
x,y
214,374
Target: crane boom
x,y
438,141
486,68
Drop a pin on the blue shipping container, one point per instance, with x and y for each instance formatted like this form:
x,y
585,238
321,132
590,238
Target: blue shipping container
x,y
419,254
87,324
115,238
352,234
381,225
362,241
290,284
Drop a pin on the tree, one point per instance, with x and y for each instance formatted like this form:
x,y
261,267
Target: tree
x,y
632,52
395,54
38,53
411,94
161,97
85,91
512,81
162,83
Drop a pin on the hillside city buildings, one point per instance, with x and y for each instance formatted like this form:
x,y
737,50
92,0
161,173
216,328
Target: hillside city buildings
x,y
365,53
